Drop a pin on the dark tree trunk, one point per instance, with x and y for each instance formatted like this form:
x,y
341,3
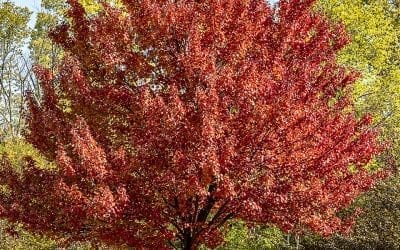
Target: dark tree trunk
x,y
187,241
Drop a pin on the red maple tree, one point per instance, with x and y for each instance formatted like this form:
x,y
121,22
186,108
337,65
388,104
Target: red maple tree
x,y
166,119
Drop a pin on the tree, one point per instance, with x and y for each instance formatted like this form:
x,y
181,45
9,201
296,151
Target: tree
x,y
15,73
171,118
43,51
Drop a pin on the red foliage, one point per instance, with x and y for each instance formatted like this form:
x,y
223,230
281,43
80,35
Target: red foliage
x,y
185,114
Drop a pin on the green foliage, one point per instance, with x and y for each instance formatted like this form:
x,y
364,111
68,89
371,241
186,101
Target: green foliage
x,y
240,236
43,51
371,29
93,6
377,228
13,23
17,149
14,70
23,240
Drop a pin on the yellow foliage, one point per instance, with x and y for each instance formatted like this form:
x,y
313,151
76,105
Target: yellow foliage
x,y
17,149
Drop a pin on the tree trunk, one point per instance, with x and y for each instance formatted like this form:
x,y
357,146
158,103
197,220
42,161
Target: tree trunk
x,y
187,241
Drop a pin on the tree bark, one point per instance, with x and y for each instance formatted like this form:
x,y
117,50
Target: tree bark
x,y
187,241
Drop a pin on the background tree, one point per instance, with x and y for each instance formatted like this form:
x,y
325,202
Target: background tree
x,y
15,72
43,51
240,236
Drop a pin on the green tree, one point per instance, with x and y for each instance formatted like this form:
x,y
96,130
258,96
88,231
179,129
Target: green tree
x,y
15,71
239,236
